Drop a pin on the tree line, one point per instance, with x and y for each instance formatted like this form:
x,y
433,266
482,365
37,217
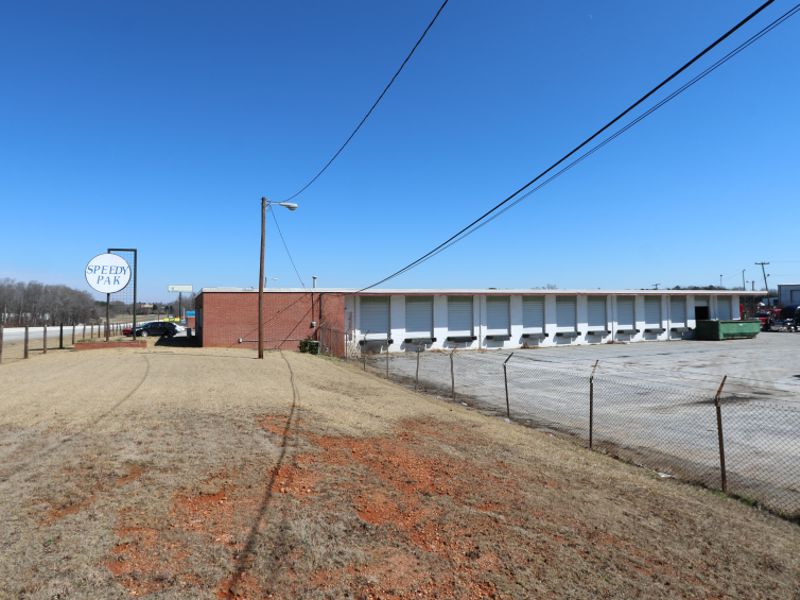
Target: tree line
x,y
34,303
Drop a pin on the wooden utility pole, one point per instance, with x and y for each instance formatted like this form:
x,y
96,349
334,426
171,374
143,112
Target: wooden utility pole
x,y
763,264
261,279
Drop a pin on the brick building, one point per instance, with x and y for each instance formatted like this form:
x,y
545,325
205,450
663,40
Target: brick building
x,y
228,317
479,319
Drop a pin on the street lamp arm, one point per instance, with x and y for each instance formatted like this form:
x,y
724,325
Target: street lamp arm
x,y
264,205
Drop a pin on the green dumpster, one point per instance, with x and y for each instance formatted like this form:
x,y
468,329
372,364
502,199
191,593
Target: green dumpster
x,y
727,330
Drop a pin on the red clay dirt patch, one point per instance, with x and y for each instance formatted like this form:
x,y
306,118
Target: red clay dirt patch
x,y
424,511
143,563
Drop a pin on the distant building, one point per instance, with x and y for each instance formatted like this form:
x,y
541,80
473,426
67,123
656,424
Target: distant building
x,y
789,293
403,320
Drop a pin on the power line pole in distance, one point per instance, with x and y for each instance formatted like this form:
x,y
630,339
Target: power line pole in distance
x,y
764,272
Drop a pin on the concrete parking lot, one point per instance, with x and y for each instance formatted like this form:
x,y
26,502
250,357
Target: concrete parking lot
x,y
652,403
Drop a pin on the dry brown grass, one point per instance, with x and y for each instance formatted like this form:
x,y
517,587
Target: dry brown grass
x,y
189,473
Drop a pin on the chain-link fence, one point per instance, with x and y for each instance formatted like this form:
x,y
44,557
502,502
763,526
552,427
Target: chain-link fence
x,y
698,430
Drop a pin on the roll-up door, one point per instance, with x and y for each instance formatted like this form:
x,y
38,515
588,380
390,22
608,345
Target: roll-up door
x,y
597,313
419,316
566,313
498,317
533,314
626,313
459,315
677,311
374,317
723,308
652,312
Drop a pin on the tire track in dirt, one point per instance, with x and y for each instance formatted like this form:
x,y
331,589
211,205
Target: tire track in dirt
x,y
34,455
229,588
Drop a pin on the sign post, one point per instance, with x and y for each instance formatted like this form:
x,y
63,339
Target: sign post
x,y
135,277
108,273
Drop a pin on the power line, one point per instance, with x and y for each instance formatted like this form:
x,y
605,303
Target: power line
x,y
286,247
371,108
790,13
472,226
751,40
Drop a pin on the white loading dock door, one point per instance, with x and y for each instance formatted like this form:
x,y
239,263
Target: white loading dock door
x,y
459,316
498,315
533,314
374,321
566,313
652,312
419,317
677,311
723,308
598,320
626,313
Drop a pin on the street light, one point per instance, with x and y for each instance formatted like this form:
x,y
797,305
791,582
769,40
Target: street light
x,y
264,205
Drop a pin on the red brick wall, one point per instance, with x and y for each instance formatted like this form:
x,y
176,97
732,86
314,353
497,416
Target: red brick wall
x,y
228,316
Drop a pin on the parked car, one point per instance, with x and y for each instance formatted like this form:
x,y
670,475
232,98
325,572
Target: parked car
x,y
790,315
161,328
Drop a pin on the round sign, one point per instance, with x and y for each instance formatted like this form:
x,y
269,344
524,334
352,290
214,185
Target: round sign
x,y
108,273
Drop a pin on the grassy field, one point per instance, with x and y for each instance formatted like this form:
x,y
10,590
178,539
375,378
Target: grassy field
x,y
191,473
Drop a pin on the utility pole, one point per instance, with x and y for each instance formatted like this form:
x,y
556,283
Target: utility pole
x,y
764,272
744,282
655,286
261,280
720,280
314,282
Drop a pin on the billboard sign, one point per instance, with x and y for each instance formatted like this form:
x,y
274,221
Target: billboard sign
x,y
108,273
179,288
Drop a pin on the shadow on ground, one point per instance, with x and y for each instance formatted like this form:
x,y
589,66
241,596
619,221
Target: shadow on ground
x,y
179,342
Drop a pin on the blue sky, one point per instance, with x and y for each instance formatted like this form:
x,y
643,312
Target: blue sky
x,y
159,125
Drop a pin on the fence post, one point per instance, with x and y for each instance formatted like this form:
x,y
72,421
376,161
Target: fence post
x,y
452,376
44,340
591,405
61,336
723,474
416,377
505,380
1,341
387,360
25,344
73,334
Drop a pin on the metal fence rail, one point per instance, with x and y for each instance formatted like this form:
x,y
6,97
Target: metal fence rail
x,y
20,343
694,430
